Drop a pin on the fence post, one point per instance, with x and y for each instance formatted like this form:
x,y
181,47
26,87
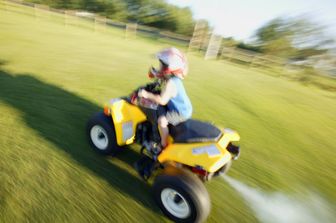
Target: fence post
x,y
252,61
213,47
222,52
65,17
95,23
198,37
232,53
100,21
48,11
131,30
36,11
40,9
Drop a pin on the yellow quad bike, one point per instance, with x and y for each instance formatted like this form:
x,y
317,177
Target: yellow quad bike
x,y
197,151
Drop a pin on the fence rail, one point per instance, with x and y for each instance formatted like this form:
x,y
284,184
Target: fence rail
x,y
108,22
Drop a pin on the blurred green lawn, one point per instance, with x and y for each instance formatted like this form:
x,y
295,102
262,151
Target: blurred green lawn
x,y
54,76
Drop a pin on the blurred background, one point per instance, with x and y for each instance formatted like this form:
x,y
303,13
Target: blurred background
x,y
264,69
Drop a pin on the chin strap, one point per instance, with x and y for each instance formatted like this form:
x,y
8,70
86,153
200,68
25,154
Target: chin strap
x,y
165,74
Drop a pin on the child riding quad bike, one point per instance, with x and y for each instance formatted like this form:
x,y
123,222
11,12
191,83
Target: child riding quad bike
x,y
196,152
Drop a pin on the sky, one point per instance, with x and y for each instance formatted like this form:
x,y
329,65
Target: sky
x,y
240,19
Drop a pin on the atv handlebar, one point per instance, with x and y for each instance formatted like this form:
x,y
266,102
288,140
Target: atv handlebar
x,y
153,87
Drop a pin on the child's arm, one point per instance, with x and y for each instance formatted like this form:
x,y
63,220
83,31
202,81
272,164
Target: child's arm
x,y
168,92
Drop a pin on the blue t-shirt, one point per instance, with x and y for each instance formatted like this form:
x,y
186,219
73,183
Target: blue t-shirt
x,y
181,102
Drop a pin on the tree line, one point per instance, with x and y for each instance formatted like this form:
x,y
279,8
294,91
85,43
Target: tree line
x,y
290,38
154,13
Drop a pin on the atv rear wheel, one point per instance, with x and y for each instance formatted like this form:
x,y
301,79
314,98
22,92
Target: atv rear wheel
x,y
101,133
181,196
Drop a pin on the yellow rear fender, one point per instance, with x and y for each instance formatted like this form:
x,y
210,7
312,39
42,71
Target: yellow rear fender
x,y
210,156
125,117
229,135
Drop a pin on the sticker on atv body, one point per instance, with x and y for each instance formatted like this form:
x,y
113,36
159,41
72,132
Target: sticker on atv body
x,y
127,130
211,150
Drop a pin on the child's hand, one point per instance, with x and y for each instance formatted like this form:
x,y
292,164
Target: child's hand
x,y
143,93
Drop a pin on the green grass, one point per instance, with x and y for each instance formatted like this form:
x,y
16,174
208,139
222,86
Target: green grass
x,y
53,77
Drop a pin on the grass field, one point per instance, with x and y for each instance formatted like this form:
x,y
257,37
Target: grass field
x,y
54,76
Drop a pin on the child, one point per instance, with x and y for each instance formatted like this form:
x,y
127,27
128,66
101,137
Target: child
x,y
178,108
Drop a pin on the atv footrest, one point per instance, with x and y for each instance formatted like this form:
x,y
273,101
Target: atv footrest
x,y
145,166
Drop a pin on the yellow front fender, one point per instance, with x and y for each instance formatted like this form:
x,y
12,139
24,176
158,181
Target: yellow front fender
x,y
125,117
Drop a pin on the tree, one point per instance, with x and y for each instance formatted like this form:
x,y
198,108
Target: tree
x,y
276,38
158,13
292,38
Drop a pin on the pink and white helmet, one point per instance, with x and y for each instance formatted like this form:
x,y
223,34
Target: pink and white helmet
x,y
173,62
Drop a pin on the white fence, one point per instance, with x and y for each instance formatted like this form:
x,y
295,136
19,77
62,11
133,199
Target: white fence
x,y
69,16
202,39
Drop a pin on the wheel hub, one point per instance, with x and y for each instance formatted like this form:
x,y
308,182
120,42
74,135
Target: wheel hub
x,y
99,137
175,203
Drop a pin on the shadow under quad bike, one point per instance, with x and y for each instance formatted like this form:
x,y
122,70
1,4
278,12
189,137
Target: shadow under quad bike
x,y
197,151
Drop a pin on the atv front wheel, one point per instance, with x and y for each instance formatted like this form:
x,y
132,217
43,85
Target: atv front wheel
x,y
181,196
101,133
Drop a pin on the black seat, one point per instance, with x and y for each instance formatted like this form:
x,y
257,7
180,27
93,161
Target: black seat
x,y
194,131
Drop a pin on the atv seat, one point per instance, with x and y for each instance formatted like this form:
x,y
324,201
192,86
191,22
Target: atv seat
x,y
194,131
